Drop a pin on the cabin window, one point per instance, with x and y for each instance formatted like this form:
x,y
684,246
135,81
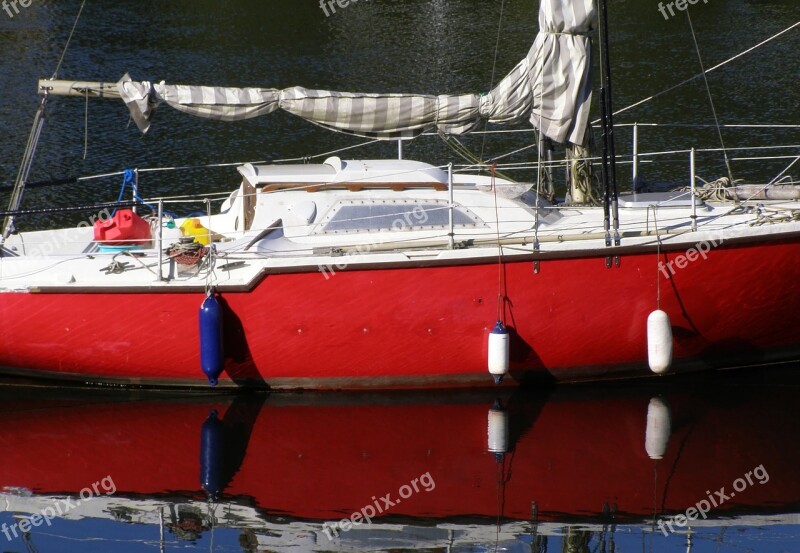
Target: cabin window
x,y
349,216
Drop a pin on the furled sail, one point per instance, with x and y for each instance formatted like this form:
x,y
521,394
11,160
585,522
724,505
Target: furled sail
x,y
551,87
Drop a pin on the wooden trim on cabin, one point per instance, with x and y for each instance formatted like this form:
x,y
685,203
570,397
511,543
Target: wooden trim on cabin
x,y
353,186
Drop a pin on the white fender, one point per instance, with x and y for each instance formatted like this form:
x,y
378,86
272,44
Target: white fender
x,y
498,352
659,342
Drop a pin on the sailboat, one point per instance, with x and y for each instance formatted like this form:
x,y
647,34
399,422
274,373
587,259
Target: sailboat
x,y
394,273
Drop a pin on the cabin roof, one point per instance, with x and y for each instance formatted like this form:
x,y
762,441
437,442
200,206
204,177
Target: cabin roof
x,y
334,170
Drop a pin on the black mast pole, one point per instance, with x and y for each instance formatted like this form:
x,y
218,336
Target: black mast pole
x,y
604,129
609,173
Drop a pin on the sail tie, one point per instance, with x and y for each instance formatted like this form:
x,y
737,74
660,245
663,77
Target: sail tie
x,y
564,33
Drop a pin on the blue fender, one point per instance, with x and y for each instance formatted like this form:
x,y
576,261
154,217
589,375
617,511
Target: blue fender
x,y
212,355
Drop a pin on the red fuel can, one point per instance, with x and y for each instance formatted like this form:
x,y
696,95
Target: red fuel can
x,y
123,229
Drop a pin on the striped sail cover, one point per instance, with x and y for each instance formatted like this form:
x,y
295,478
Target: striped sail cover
x,y
551,87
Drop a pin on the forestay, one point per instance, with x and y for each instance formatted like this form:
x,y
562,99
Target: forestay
x,y
551,87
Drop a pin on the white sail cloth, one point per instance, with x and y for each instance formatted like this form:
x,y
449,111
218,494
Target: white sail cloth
x,y
551,87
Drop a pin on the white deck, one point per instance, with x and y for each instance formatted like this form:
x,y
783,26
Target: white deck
x,y
294,223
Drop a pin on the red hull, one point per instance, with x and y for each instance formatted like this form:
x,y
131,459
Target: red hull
x,y
424,326
570,455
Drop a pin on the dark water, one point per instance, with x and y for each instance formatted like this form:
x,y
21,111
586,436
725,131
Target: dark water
x,y
579,469
425,46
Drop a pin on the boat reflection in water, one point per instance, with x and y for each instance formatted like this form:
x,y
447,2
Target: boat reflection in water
x,y
570,470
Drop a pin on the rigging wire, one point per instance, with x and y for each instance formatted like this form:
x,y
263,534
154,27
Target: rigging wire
x,y
690,79
511,153
258,162
710,98
466,154
494,67
66,45
782,173
473,163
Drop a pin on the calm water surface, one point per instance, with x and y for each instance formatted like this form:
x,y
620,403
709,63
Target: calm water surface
x,y
571,470
580,469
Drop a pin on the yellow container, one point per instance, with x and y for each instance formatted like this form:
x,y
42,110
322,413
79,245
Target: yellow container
x,y
193,227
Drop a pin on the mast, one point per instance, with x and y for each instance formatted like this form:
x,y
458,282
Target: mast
x,y
609,173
